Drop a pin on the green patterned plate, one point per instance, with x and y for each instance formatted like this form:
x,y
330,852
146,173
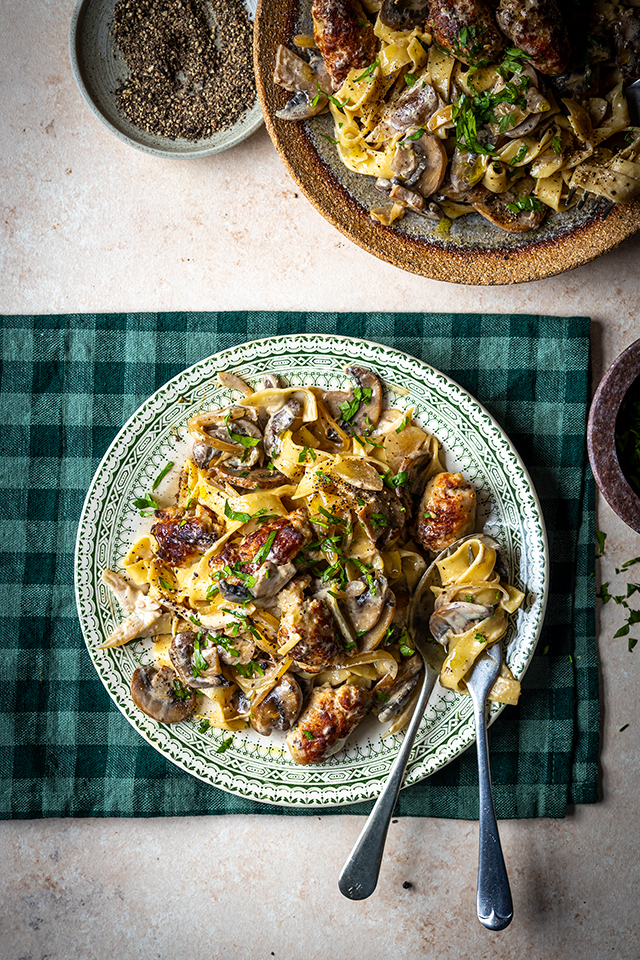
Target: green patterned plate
x,y
254,766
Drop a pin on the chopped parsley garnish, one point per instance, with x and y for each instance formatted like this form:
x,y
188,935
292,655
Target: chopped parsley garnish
x,y
379,521
308,735
165,584
235,515
263,552
368,71
181,692
165,470
200,665
512,62
396,481
204,725
525,203
403,424
600,539
244,441
330,139
520,155
556,143
349,408
225,745
416,134
307,451
410,79
146,503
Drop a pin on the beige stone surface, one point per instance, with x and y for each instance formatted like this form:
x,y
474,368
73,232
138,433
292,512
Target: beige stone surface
x,y
88,224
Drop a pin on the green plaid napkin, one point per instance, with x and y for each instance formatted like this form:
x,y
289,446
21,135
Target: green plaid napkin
x,y
68,385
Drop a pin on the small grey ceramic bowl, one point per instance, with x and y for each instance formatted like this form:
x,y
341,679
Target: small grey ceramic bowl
x,y
98,70
604,417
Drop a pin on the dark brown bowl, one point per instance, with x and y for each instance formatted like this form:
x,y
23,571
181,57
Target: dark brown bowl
x,y
475,252
601,436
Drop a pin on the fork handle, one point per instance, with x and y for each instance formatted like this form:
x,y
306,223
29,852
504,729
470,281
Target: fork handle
x,y
495,907
359,876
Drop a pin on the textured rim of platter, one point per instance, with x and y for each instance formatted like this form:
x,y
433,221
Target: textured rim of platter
x,y
253,766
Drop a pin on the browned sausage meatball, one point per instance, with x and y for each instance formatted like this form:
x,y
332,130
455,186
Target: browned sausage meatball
x,y
331,715
447,511
537,27
467,28
311,621
344,36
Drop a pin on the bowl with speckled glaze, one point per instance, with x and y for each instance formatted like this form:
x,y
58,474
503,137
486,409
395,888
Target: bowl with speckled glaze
x,y
474,252
609,415
98,69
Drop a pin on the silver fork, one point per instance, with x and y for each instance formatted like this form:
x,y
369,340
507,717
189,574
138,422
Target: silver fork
x,y
495,907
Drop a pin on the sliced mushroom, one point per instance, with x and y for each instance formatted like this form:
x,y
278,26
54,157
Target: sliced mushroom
x,y
233,382
412,110
369,410
270,579
467,169
202,454
454,618
271,382
280,709
159,694
277,424
256,479
364,601
390,696
413,200
374,637
495,208
232,650
404,162
309,83
433,167
382,515
200,672
224,431
368,393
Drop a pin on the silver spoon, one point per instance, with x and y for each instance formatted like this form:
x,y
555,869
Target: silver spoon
x,y
360,873
494,904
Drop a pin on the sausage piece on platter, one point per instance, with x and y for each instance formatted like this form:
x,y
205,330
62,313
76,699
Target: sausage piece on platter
x,y
447,511
467,28
537,27
344,36
329,718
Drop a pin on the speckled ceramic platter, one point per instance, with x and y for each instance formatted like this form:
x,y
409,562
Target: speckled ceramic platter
x,y
475,252
254,766
98,69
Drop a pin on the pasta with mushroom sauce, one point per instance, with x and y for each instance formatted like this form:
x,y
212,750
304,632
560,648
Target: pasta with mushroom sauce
x,y
276,588
454,106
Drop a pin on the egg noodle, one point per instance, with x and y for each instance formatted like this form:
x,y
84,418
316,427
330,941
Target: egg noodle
x,y
346,489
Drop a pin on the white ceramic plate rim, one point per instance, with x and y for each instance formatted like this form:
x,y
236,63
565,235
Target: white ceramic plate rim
x,y
256,767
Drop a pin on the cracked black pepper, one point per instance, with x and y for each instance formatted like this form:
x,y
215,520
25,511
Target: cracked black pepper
x,y
190,65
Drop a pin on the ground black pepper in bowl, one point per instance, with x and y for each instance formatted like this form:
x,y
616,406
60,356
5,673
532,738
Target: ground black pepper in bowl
x,y
190,63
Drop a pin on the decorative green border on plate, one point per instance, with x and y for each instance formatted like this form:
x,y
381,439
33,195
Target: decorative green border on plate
x,y
254,766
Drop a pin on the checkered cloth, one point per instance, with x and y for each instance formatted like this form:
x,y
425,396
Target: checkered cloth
x,y
68,385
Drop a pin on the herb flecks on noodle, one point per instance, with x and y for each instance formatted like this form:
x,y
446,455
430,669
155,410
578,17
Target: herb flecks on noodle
x,y
283,605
